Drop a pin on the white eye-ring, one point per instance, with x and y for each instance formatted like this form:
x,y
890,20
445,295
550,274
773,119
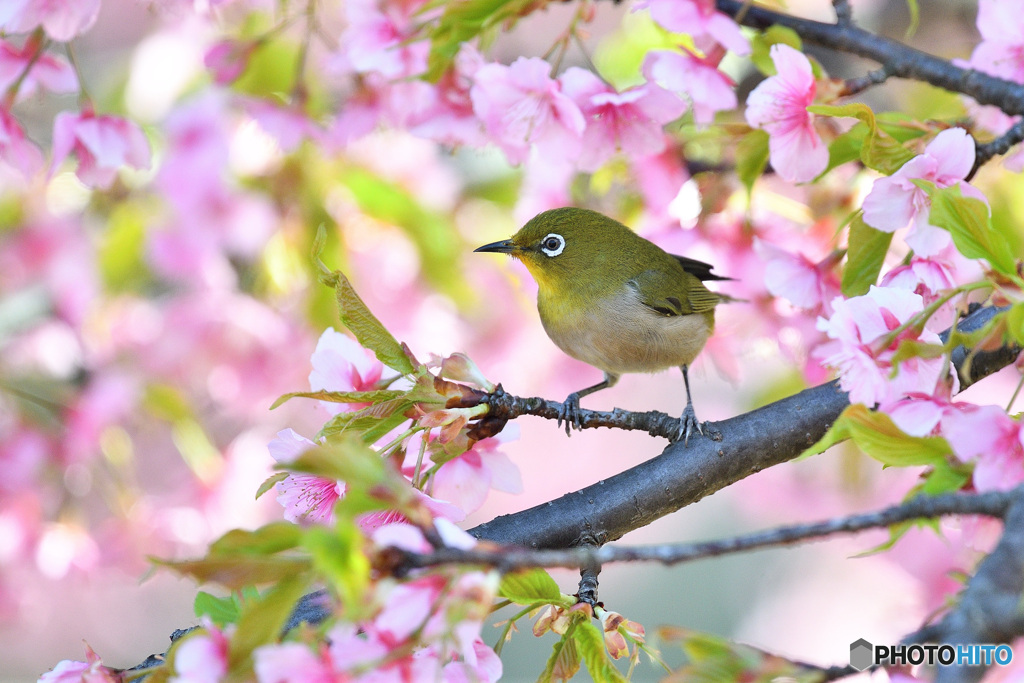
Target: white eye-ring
x,y
552,244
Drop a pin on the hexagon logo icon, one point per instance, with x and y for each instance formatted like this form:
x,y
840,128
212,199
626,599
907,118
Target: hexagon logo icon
x,y
861,654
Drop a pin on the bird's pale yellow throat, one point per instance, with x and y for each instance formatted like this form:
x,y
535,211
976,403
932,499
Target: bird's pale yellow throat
x,y
611,298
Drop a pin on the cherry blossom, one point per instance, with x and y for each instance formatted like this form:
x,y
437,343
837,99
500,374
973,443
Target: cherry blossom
x,y
614,639
50,72
1001,50
305,497
700,19
630,121
796,278
341,364
466,479
228,59
778,105
291,663
377,38
895,201
992,440
102,144
89,671
202,657
521,106
708,89
16,150
857,326
61,19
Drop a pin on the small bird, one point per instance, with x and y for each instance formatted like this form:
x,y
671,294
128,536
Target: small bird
x,y
614,300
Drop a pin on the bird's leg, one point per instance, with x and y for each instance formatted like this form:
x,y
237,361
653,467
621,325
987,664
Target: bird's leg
x,y
570,410
688,421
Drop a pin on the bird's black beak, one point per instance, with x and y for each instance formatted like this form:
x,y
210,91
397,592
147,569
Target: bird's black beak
x,y
502,247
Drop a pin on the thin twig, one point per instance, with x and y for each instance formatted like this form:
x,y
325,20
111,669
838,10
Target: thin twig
x,y
1001,145
992,504
844,14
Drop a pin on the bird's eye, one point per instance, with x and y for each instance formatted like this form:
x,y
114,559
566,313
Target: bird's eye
x,y
552,244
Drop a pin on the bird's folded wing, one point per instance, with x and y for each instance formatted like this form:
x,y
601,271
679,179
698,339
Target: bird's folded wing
x,y
669,294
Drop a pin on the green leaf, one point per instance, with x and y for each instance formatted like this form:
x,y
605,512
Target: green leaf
x,y
266,540
338,556
374,396
564,662
462,21
880,150
590,643
713,659
269,483
968,221
530,587
915,19
261,621
761,43
368,330
751,157
221,611
366,418
1015,323
865,254
238,571
878,436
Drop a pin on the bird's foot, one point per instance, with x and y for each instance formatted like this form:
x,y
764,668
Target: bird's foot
x,y
570,413
688,424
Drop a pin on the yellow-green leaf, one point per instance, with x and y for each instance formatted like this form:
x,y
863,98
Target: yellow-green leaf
x,y
879,151
865,254
968,221
528,587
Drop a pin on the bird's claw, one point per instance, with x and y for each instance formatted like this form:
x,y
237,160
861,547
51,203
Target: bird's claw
x,y
688,422
570,413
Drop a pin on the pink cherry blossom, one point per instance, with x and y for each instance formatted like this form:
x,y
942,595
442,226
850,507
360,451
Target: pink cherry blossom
x,y
228,59
89,671
305,497
44,69
1001,50
377,38
291,663
708,89
522,106
341,364
351,648
630,121
103,144
61,19
919,414
992,440
466,480
895,201
778,105
289,126
16,151
699,19
202,657
857,325
486,669
796,278
447,116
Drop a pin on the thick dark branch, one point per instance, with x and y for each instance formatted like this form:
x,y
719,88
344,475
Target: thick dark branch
x,y
844,15
770,435
993,504
990,609
901,60
1001,145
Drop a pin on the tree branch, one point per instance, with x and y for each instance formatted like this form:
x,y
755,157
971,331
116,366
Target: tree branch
x,y
899,59
681,475
993,504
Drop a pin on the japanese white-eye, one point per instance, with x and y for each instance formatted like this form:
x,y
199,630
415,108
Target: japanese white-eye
x,y
611,298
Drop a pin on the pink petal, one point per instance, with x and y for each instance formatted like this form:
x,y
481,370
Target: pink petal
x,y
953,150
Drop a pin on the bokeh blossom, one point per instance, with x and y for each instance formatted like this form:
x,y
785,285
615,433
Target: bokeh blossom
x,y
990,439
102,144
629,122
778,105
700,19
61,19
708,89
521,106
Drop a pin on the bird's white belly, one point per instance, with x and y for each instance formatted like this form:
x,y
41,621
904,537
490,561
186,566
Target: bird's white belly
x,y
622,335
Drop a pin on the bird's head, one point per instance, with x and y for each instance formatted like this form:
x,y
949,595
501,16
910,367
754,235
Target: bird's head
x,y
562,246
